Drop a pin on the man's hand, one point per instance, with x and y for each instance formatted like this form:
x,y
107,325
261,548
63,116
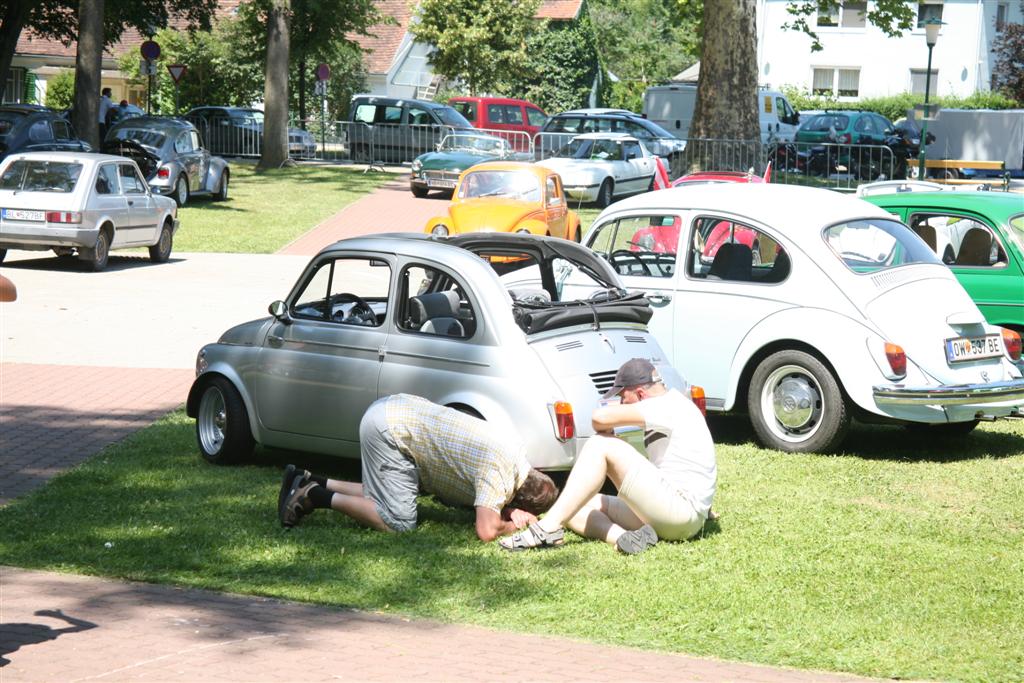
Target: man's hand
x,y
521,518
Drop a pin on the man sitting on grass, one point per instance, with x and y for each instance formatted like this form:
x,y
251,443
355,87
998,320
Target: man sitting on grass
x,y
409,444
668,496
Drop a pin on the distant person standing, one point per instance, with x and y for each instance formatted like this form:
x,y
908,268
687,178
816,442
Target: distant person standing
x,y
105,104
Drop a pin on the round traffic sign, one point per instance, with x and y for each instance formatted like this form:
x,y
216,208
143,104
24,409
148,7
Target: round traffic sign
x,y
323,72
149,49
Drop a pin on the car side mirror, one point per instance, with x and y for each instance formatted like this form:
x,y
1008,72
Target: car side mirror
x,y
630,155
279,310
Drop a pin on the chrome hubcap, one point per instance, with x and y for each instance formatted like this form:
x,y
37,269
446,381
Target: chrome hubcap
x,y
791,400
213,420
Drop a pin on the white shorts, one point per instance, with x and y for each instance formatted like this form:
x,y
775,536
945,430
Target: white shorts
x,y
659,503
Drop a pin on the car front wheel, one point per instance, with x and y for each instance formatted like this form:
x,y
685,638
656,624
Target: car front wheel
x,y
604,195
796,404
181,191
419,192
161,251
222,424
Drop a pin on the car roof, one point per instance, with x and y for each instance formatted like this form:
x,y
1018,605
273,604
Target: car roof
x,y
490,100
622,137
84,157
793,208
598,111
156,122
535,169
398,101
1008,202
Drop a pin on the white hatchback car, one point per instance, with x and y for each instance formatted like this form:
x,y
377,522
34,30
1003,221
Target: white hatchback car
x,y
73,202
597,167
806,308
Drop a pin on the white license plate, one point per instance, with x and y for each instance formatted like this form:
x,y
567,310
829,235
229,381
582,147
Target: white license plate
x,y
972,348
433,182
24,215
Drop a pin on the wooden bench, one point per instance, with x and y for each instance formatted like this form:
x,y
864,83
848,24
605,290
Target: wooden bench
x,y
957,164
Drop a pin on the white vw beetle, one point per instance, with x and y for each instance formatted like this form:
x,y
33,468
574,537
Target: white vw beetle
x,y
807,308
597,167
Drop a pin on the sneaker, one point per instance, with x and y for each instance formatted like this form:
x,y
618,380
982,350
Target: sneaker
x,y
286,484
637,541
296,504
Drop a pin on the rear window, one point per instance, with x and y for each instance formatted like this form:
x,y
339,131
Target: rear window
x,y
827,121
871,245
143,136
26,175
7,121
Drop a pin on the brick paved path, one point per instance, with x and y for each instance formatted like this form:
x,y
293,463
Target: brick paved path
x,y
392,208
142,632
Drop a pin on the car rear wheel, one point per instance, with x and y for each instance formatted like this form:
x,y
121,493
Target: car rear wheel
x,y
161,251
419,192
97,258
796,405
181,190
604,195
222,189
222,424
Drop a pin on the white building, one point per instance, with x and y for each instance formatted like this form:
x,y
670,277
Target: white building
x,y
858,60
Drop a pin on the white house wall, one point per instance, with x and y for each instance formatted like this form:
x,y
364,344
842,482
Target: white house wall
x,y
962,56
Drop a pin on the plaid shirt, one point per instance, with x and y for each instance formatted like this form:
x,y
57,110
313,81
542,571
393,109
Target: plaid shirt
x,y
459,458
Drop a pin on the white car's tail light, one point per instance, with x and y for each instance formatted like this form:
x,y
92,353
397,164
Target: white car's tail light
x,y
565,424
698,398
63,217
164,172
1012,342
897,359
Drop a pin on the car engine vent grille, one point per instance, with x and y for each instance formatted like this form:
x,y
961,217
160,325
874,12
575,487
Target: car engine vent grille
x,y
568,346
890,278
603,381
635,339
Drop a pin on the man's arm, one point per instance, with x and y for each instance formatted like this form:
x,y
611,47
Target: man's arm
x,y
490,525
621,415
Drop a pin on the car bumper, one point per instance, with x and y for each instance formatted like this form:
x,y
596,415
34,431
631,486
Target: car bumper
x,y
39,237
586,193
956,403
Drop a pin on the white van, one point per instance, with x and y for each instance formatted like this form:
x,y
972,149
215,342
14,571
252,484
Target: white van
x,y
672,106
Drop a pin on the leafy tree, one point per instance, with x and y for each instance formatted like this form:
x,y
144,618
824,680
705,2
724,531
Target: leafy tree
x,y
644,42
1008,71
893,17
60,90
561,69
483,44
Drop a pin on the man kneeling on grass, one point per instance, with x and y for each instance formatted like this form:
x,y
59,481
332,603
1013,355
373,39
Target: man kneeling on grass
x,y
668,496
409,444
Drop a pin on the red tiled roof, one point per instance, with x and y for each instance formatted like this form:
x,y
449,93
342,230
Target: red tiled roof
x,y
384,39
560,10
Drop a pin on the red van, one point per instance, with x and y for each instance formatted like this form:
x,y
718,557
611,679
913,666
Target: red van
x,y
502,114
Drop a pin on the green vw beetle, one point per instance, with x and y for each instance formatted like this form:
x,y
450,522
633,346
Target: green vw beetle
x,y
440,170
979,235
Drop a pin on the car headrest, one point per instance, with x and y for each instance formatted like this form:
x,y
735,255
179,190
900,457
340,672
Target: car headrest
x,y
435,305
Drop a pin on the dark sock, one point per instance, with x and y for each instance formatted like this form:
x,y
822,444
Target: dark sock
x,y
318,479
320,497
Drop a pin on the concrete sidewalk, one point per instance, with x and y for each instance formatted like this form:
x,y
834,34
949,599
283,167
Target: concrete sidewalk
x,y
124,631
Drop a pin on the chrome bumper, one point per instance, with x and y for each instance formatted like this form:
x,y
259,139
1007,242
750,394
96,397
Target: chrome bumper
x,y
1008,391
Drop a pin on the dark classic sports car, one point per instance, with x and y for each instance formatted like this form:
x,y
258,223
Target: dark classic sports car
x,y
440,170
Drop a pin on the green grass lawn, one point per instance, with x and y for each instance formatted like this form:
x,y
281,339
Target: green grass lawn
x,y
267,210
901,558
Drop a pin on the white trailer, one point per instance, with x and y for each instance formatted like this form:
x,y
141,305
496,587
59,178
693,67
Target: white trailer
x,y
671,107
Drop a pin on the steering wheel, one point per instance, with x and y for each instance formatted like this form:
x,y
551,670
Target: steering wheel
x,y
631,256
361,313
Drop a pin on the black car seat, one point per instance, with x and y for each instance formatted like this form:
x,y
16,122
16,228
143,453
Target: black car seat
x,y
733,261
437,313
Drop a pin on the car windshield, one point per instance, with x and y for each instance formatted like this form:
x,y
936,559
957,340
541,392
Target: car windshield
x,y
483,144
248,118
825,122
874,244
594,149
144,136
521,185
32,175
450,117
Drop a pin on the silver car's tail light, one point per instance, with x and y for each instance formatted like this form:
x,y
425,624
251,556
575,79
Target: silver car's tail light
x,y
63,217
565,423
1012,342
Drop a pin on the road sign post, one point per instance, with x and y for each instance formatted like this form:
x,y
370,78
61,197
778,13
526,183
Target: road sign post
x,y
177,71
150,52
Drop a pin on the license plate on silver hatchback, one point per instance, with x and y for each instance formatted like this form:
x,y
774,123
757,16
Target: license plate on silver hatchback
x,y
963,349
23,215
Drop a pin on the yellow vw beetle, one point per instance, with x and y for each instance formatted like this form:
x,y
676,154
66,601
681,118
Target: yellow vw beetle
x,y
508,196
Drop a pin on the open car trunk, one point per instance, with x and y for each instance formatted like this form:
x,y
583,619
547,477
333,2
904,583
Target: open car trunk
x,y
146,160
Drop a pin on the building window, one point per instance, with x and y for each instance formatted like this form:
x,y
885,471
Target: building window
x,y
836,82
844,15
928,10
15,87
1002,10
917,81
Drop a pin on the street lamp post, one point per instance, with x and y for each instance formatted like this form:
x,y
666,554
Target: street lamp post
x,y
931,32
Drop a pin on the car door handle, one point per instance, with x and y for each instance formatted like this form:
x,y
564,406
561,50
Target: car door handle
x,y
275,340
658,299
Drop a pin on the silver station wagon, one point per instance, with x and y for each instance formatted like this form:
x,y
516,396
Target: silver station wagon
x,y
436,317
84,204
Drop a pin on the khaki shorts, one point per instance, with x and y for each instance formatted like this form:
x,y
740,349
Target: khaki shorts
x,y
659,503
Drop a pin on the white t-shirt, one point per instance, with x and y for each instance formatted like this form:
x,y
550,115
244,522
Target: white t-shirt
x,y
680,445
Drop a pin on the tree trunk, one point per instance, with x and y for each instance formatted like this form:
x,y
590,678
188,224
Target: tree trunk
x,y
275,93
726,107
88,67
14,21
